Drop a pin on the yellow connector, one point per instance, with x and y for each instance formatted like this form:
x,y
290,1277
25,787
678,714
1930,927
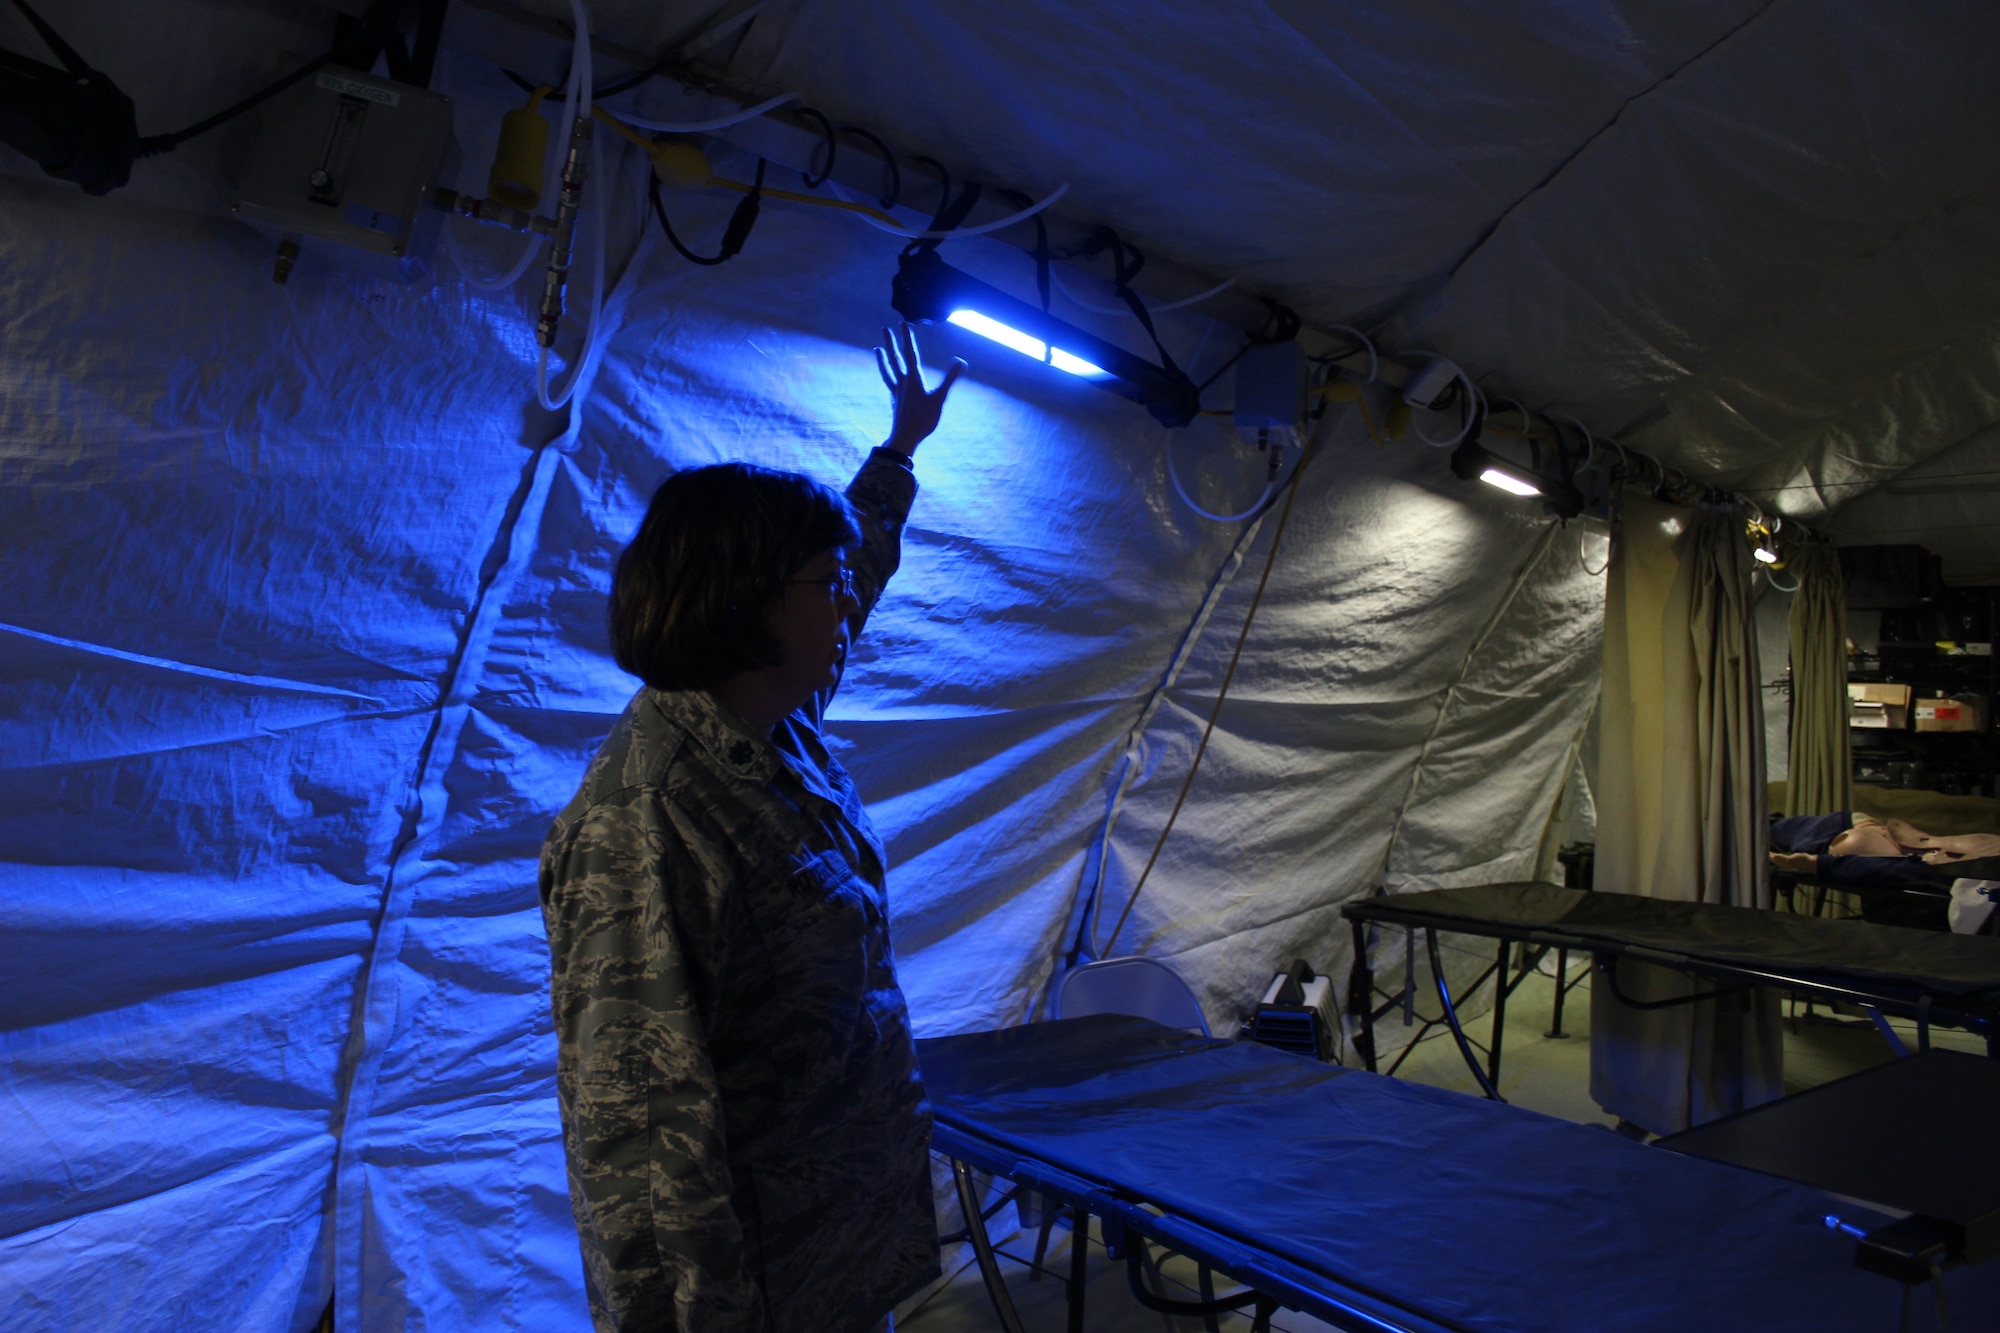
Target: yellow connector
x,y
679,163
520,160
1398,422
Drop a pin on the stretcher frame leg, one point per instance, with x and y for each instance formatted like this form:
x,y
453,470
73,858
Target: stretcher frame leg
x,y
1562,989
1079,1260
982,1248
1451,1014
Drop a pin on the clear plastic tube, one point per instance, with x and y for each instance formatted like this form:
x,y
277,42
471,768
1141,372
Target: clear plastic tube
x,y
1173,475
707,126
578,104
1374,362
1474,401
960,232
1151,309
468,268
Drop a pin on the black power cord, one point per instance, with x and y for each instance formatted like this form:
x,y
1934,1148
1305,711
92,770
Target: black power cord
x,y
733,236
373,31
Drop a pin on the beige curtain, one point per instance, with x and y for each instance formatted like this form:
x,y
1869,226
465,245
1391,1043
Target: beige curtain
x,y
1681,811
1821,779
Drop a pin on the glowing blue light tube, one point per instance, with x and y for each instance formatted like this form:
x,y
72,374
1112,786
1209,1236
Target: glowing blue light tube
x,y
1075,365
974,322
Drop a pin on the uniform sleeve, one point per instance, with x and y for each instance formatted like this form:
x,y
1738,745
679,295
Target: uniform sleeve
x,y
648,1166
881,493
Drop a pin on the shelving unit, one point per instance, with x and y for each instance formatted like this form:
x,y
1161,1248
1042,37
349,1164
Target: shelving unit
x,y
1963,763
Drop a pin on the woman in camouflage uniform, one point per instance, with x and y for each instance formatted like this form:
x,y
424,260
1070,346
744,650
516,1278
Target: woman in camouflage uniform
x,y
746,1133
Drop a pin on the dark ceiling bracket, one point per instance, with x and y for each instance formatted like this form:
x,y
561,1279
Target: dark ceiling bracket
x,y
411,62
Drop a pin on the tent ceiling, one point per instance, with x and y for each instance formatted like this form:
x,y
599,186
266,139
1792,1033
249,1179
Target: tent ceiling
x,y
1758,237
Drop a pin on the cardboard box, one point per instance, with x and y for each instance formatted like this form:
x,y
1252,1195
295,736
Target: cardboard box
x,y
1964,713
1878,707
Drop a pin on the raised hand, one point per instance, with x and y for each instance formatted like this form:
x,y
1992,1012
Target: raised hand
x,y
917,409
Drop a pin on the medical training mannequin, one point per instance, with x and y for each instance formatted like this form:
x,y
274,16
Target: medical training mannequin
x,y
745,1127
1849,847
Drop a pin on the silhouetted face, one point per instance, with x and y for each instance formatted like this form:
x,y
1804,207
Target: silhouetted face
x,y
810,622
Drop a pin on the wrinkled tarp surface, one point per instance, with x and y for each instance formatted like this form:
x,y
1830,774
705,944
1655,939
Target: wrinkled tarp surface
x,y
1473,1214
302,645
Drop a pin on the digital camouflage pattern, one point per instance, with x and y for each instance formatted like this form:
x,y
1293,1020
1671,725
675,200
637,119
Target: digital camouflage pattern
x,y
746,1131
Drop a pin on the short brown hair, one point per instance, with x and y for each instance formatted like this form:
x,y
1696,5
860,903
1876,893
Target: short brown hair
x,y
691,592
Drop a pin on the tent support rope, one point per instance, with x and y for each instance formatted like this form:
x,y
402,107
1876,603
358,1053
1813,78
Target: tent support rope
x,y
1187,783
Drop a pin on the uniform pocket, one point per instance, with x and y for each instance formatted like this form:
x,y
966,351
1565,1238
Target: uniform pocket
x,y
813,1029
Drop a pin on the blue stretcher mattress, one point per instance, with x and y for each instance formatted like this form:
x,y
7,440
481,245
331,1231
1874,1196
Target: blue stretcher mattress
x,y
1461,1213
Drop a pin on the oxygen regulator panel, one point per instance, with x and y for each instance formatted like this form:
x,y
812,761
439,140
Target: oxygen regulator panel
x,y
347,157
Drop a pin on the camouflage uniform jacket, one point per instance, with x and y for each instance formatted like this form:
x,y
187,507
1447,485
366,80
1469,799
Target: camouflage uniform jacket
x,y
747,1136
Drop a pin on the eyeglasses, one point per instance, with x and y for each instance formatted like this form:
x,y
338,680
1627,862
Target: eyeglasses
x,y
839,584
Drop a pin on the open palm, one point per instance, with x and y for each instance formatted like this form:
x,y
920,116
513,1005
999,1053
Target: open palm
x,y
917,409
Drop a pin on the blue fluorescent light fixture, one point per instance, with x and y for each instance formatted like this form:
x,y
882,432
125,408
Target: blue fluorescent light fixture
x,y
1075,365
974,322
1000,333
929,291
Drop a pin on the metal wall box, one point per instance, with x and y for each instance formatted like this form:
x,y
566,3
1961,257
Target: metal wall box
x,y
347,157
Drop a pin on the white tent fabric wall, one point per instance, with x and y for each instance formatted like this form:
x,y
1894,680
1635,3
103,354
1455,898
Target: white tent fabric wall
x,y
303,646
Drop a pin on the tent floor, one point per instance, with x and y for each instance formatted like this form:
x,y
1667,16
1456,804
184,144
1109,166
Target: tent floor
x,y
1551,1075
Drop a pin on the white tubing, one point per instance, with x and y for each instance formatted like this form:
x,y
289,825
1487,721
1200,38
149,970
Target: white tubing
x,y
1374,362
949,234
468,269
592,334
1151,309
578,104
1174,476
705,126
1470,412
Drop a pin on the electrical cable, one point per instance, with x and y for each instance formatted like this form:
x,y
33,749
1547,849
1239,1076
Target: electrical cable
x,y
832,143
888,158
757,188
675,50
1582,533
1374,361
372,30
734,235
1256,600
1347,391
1174,476
1224,367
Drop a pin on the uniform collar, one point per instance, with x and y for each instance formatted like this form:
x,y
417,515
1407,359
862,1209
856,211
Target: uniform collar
x,y
727,737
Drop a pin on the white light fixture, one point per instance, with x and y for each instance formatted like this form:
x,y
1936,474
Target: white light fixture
x,y
1508,482
1766,555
